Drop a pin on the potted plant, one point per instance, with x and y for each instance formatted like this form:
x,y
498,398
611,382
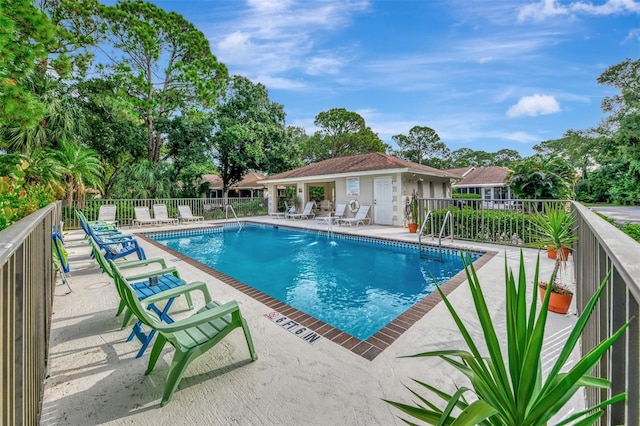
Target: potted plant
x,y
553,229
413,209
506,384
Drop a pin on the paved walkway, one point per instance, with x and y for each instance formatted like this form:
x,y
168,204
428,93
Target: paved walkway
x,y
620,214
94,377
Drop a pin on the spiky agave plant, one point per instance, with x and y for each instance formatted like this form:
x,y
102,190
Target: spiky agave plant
x,y
512,391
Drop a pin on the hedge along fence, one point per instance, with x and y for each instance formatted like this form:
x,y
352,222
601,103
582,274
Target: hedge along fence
x,y
494,221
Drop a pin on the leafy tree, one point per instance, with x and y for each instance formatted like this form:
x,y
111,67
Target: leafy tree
x,y
143,179
423,146
164,61
621,128
505,157
341,133
539,177
25,36
577,147
62,118
250,132
189,144
113,127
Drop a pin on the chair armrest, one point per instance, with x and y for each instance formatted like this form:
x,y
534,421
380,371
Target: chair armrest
x,y
146,262
178,291
117,238
156,273
201,317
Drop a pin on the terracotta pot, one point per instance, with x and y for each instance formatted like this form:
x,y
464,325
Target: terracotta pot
x,y
558,303
552,253
413,228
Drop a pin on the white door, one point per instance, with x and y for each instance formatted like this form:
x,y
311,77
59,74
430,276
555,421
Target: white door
x,y
383,201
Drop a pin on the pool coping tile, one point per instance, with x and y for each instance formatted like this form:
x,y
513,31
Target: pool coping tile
x,y
368,349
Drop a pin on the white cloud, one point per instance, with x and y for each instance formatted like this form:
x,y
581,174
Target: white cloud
x,y
272,82
551,8
272,37
521,137
633,35
534,105
323,65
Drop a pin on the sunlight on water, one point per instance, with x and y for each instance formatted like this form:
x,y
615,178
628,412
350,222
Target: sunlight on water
x,y
357,287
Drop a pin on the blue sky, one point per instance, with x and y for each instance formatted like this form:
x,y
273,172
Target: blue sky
x,y
484,74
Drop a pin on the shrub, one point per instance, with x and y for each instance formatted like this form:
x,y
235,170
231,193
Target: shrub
x,y
18,199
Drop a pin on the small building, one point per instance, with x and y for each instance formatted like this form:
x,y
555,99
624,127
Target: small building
x,y
248,187
488,182
381,181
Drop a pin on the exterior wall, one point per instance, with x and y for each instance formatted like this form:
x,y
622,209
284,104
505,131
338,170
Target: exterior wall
x,y
402,186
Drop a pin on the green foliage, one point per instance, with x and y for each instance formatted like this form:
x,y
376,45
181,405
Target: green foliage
x,y
507,385
143,180
413,207
25,36
341,133
290,197
18,199
249,207
553,229
251,134
488,225
164,61
632,230
466,196
539,177
423,146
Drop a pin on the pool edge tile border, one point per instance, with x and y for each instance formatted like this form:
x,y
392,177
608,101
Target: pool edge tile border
x,y
368,349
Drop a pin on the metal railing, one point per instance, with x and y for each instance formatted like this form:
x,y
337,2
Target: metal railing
x,y
209,208
27,280
488,221
602,248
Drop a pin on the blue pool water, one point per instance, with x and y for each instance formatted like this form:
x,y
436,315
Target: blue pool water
x,y
355,286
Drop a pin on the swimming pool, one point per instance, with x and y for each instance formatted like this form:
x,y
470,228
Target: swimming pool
x,y
357,285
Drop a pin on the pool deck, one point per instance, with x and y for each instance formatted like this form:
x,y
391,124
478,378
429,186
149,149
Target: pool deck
x,y
94,377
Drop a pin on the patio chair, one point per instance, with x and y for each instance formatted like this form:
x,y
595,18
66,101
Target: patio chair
x,y
289,211
191,336
143,217
152,282
360,218
161,215
185,215
307,213
338,214
107,214
117,246
61,259
97,226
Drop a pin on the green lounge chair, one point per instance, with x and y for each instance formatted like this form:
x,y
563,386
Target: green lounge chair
x,y
191,336
164,279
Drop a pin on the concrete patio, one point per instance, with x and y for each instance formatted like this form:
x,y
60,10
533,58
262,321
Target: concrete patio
x,y
94,377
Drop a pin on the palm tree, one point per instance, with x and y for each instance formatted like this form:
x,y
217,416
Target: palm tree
x,y
63,119
80,167
538,177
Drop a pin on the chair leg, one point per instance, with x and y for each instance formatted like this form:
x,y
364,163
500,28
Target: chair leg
x,y
180,362
145,343
247,336
189,301
121,307
164,313
155,352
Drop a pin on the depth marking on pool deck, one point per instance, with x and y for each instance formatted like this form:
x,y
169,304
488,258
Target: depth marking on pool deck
x,y
293,327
